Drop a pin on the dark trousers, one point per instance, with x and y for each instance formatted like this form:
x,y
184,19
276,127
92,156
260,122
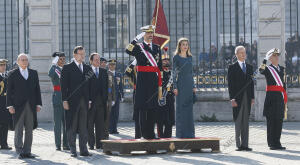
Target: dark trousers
x,y
59,125
137,126
274,128
96,124
114,117
164,130
3,134
242,124
79,124
26,120
147,123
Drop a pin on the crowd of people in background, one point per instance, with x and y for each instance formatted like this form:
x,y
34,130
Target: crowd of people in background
x,y
212,59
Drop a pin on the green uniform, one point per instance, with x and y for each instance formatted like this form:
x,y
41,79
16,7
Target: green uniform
x,y
59,117
110,99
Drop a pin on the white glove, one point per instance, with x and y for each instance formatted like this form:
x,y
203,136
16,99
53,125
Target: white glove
x,y
122,99
138,37
112,103
55,59
134,62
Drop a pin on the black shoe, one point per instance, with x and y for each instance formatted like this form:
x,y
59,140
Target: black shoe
x,y
114,132
58,149
6,148
247,149
99,147
239,149
85,154
66,148
273,148
74,155
22,156
30,156
281,148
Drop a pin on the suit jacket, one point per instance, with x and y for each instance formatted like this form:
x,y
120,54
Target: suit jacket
x,y
21,91
99,86
274,103
238,83
146,96
74,86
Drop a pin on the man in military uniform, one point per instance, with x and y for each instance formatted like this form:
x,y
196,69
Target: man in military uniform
x,y
111,98
276,98
5,117
119,94
148,84
131,73
103,63
166,113
59,114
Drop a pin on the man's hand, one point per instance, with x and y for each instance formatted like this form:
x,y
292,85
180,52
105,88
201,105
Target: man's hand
x,y
252,102
12,110
38,108
233,103
175,91
194,90
66,105
122,99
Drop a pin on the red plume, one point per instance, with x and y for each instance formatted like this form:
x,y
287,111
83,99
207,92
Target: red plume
x,y
166,49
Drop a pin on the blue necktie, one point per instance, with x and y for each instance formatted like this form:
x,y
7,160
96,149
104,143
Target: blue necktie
x,y
97,74
244,67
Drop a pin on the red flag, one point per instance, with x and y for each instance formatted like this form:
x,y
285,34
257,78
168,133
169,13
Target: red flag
x,y
161,33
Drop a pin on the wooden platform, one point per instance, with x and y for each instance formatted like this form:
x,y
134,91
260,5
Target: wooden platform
x,y
152,146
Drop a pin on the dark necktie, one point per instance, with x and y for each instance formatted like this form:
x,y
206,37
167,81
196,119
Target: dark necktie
x,y
96,72
244,67
80,67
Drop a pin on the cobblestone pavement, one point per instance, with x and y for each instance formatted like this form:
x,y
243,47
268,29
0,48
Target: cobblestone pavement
x,y
44,148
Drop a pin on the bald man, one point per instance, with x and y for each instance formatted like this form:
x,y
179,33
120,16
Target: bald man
x,y
23,102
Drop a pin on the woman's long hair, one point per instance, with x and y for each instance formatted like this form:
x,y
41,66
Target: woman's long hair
x,y
178,51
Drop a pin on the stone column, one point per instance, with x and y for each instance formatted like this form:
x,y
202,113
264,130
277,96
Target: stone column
x,y
43,41
271,33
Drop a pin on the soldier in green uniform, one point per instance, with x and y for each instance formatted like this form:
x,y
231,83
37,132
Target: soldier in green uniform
x,y
59,119
5,117
111,98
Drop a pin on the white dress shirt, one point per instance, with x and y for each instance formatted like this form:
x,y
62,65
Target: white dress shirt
x,y
24,73
94,69
81,66
241,64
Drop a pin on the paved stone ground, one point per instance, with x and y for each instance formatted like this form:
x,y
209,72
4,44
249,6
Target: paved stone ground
x,y
44,148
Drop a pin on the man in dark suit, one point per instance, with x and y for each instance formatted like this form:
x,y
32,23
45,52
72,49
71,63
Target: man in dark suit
x,y
23,101
76,100
5,117
98,95
276,98
241,93
148,84
114,113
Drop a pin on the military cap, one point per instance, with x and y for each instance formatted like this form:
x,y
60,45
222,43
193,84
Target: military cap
x,y
3,61
59,54
148,28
